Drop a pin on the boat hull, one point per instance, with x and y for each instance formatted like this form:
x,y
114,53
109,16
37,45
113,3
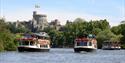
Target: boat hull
x,y
84,49
29,49
111,48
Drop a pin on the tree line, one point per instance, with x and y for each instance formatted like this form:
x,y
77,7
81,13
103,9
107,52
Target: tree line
x,y
101,28
64,37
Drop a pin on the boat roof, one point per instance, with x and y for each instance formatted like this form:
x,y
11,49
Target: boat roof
x,y
27,39
87,35
33,36
42,34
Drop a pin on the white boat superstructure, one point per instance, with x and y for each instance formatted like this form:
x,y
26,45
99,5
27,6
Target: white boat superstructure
x,y
108,45
34,42
85,43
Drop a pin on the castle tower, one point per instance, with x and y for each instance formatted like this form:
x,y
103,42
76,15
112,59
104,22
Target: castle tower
x,y
39,21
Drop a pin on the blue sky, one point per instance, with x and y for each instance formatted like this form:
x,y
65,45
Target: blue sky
x,y
112,10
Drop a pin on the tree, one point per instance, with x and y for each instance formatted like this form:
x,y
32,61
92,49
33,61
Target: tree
x,y
120,32
116,30
123,33
6,37
96,31
107,35
79,20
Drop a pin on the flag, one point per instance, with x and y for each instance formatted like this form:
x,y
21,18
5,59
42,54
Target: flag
x,y
37,6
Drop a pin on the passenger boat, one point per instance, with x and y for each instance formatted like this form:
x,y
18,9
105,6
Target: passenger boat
x,y
34,42
86,43
109,45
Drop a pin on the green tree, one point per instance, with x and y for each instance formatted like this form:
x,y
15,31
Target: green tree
x,y
123,33
116,30
6,37
107,35
120,30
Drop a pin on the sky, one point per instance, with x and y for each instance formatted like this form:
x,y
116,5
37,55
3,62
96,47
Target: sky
x,y
63,10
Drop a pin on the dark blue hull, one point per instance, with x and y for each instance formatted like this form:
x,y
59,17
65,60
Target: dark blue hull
x,y
84,49
111,48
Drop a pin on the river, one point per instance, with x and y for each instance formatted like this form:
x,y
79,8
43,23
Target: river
x,y
62,55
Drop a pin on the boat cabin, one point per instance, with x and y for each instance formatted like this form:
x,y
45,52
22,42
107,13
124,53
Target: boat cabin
x,y
28,42
43,40
109,45
85,40
34,42
85,43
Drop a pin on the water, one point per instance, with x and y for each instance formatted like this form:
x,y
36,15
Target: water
x,y
64,56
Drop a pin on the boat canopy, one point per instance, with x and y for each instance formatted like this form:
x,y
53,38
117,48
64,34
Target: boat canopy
x,y
85,38
91,36
33,36
42,34
81,40
26,39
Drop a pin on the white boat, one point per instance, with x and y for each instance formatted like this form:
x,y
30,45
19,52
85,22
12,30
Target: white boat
x,y
34,43
85,43
108,45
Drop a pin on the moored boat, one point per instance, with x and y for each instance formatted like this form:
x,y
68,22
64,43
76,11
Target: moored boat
x,y
34,43
109,45
86,43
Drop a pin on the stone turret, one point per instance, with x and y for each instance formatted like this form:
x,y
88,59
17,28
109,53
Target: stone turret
x,y
39,21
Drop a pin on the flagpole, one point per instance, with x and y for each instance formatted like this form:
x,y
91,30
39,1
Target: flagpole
x,y
37,8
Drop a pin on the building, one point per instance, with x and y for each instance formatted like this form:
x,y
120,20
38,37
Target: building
x,y
39,21
55,24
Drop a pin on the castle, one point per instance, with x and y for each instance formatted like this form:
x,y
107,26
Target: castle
x,y
38,23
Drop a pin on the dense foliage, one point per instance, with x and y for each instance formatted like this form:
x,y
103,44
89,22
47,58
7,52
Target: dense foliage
x,y
6,37
120,29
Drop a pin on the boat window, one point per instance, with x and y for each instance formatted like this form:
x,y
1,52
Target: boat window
x,y
25,43
43,45
78,43
20,43
81,43
110,44
39,37
46,38
31,43
90,43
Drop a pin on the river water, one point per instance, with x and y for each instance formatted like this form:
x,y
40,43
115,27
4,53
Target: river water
x,y
61,55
